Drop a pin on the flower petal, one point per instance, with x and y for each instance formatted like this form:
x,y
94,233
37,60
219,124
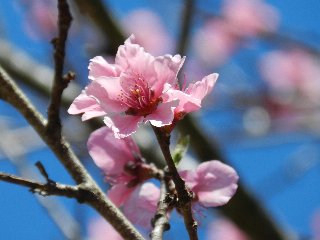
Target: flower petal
x,y
142,204
123,125
163,115
111,154
85,104
99,67
106,90
187,103
119,194
217,183
201,88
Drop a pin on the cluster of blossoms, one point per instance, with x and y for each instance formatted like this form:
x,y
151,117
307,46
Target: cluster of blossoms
x,y
140,88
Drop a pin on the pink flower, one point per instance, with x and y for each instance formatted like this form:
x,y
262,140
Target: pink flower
x,y
226,230
120,160
213,182
100,229
190,98
214,43
249,17
113,155
131,91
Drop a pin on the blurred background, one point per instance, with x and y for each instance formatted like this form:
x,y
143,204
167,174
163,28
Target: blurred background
x,y
263,113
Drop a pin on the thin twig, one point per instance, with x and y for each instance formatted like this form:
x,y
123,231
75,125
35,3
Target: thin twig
x,y
44,189
160,220
184,195
187,18
60,83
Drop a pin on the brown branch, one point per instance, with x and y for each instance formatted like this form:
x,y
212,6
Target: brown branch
x,y
93,194
60,83
160,220
184,194
184,37
44,189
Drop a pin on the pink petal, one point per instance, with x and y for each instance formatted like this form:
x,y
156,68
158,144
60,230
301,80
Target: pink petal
x,y
142,204
111,154
187,103
163,115
99,228
189,177
123,125
217,183
166,68
119,194
107,92
132,57
99,67
87,105
201,88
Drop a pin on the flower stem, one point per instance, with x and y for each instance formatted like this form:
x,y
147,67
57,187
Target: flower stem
x,y
184,194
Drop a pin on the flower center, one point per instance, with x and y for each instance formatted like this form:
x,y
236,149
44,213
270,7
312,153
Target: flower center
x,y
139,97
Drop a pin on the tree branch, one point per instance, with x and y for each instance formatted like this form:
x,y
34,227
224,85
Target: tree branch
x,y
184,194
44,189
60,82
160,220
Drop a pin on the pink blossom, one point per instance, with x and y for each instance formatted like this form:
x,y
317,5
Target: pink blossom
x,y
214,43
249,17
142,204
190,98
213,182
293,71
131,91
226,230
148,30
120,161
100,229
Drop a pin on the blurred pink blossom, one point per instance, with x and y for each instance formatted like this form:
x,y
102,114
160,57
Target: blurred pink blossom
x,y
40,18
226,230
149,31
214,43
131,91
292,71
100,229
248,18
213,182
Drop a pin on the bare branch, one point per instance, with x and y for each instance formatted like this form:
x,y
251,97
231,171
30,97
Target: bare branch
x,y
60,83
44,189
160,220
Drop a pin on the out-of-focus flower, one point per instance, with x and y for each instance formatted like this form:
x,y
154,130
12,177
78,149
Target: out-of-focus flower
x,y
292,72
120,161
100,229
213,182
316,225
190,98
148,30
142,203
131,91
213,43
40,18
224,229
247,18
